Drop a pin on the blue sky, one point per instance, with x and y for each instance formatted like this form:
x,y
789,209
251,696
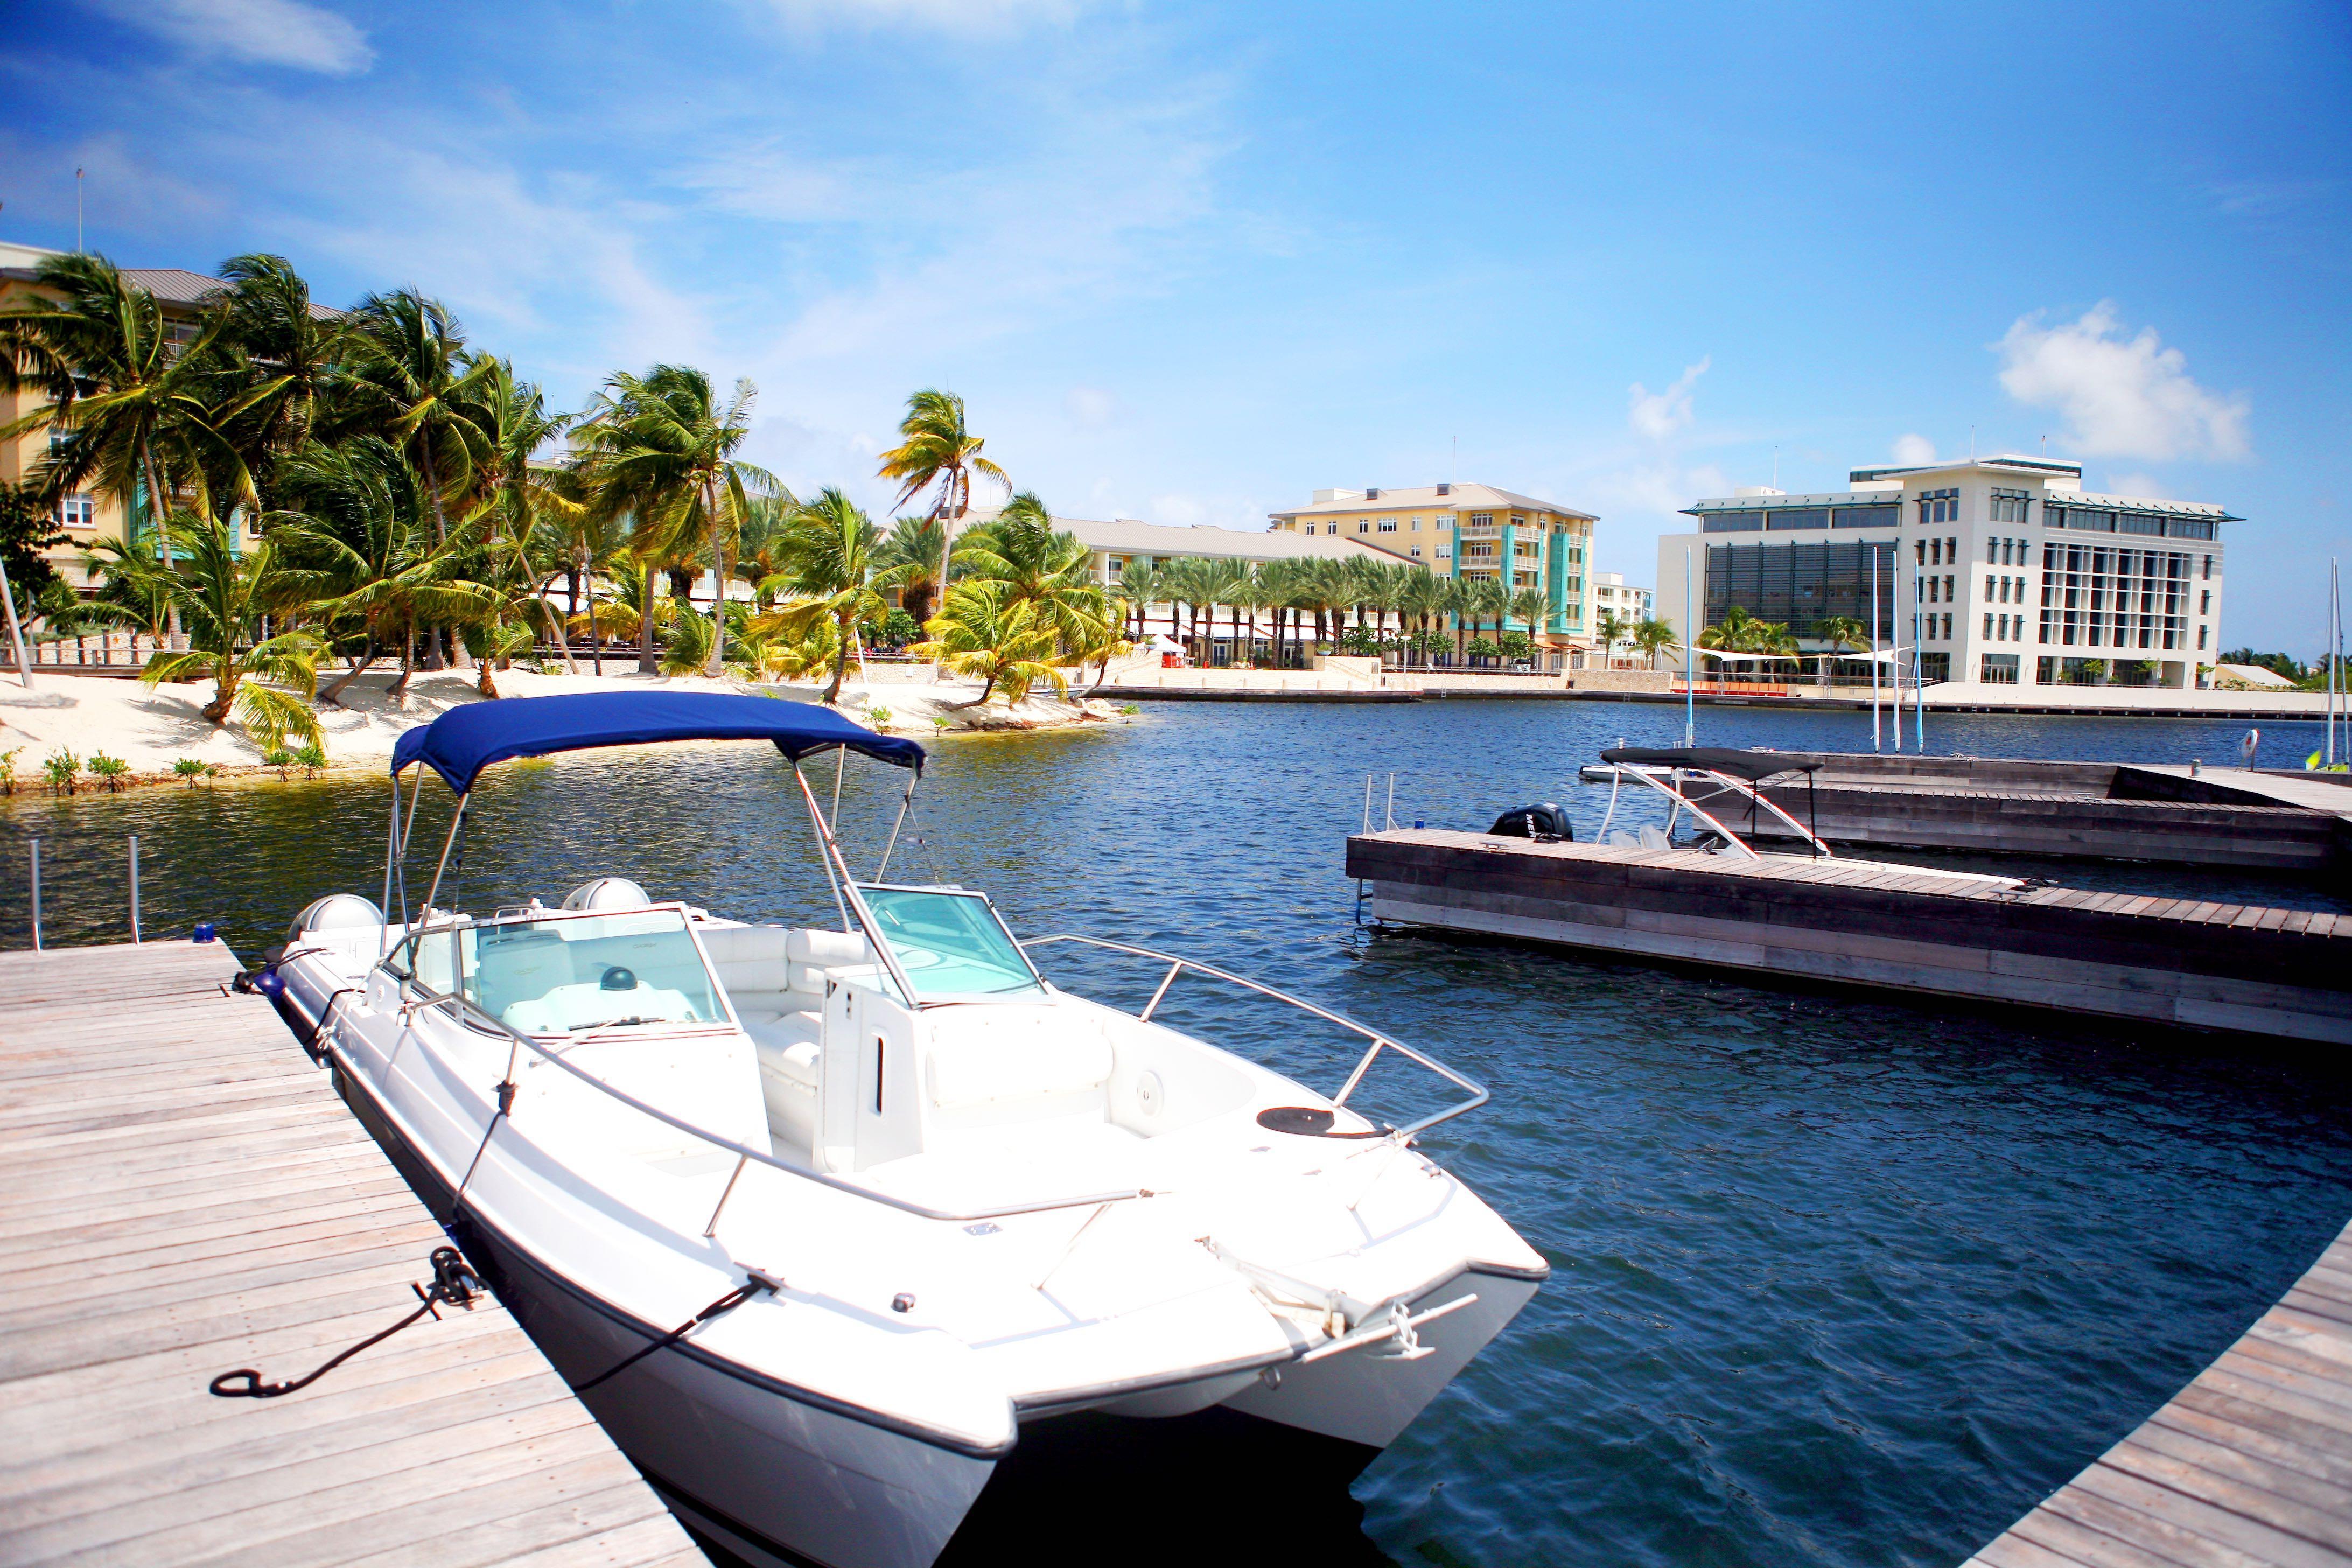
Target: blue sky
x,y
1189,263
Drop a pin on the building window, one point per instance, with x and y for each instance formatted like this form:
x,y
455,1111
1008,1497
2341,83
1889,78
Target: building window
x,y
1478,548
1444,553
1939,506
1416,553
2009,506
1388,525
1886,516
2209,568
1363,525
1998,670
77,511
1416,525
2205,601
1482,519
1442,523
2201,638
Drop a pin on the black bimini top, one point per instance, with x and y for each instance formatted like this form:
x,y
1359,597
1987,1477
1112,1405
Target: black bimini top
x,y
1740,764
463,742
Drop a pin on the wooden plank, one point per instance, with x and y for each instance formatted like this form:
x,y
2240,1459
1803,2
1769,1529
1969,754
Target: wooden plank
x,y
180,1191
2249,1467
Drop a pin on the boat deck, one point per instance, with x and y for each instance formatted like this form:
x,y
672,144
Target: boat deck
x,y
2249,1466
181,1194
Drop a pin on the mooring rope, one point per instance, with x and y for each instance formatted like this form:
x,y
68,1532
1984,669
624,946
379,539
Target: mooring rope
x,y
453,1281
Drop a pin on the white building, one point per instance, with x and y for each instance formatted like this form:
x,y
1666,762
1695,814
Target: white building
x,y
1612,592
2010,573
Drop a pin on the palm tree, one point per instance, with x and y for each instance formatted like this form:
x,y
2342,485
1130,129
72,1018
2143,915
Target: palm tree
x,y
1141,587
134,409
1237,590
1426,597
1019,549
354,548
830,546
981,631
524,505
407,379
938,450
1840,632
222,599
912,554
760,542
661,446
1484,599
1280,583
278,364
1653,637
1191,581
1610,627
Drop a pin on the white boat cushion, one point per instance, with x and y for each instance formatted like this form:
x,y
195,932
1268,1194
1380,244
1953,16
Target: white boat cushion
x,y
787,1044
989,1066
811,952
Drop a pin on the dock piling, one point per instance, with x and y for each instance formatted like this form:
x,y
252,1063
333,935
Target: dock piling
x,y
36,895
134,890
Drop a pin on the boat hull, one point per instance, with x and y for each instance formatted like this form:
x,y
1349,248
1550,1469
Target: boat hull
x,y
774,1472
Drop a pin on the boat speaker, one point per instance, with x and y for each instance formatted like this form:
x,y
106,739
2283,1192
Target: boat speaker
x,y
606,893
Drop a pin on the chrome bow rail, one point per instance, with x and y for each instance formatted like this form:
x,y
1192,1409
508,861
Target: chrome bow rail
x,y
1379,1042
473,1018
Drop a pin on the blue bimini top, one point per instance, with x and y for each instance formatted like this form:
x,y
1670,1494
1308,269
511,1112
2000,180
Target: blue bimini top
x,y
463,742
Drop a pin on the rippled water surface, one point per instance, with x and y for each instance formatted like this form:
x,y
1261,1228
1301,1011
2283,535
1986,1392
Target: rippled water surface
x,y
1836,1280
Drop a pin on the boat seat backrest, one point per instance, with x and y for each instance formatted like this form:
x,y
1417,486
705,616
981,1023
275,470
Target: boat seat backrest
x,y
809,953
750,962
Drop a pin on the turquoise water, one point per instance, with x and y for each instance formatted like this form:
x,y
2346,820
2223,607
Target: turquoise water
x,y
1836,1279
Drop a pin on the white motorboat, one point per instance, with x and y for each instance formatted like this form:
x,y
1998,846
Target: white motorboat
x,y
819,1223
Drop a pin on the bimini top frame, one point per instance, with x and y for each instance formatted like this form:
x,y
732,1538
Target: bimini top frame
x,y
1732,771
463,742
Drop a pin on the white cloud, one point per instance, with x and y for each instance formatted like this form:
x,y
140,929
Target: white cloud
x,y
2138,485
1660,414
260,32
2121,397
1090,408
1912,450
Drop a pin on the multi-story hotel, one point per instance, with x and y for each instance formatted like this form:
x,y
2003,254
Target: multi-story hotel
x,y
92,515
1472,532
2010,573
1612,592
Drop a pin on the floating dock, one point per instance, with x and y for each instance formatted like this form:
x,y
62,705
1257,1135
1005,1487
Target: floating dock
x,y
2249,1467
2226,818
2173,961
182,1195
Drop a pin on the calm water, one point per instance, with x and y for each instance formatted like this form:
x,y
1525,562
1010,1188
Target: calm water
x,y
1836,1280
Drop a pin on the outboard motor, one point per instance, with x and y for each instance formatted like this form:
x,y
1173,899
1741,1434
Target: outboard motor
x,y
1545,824
606,893
336,912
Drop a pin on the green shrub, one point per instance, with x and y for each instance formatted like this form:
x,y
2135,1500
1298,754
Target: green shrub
x,y
939,723
878,716
279,757
8,771
190,769
1130,709
109,769
61,766
311,757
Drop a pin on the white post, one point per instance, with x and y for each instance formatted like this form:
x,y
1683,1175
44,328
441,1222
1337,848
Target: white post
x,y
135,889
1918,681
1874,649
1690,700
15,631
36,895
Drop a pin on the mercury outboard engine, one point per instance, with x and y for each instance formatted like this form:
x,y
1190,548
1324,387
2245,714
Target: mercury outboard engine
x,y
1545,824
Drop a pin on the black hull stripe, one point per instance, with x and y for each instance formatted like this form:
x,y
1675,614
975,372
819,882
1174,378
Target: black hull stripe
x,y
414,1166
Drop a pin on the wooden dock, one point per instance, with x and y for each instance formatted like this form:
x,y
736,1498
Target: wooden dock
x,y
2249,1467
182,1195
2298,823
2174,962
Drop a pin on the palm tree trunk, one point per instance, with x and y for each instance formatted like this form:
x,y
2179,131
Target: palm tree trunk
x,y
159,513
647,664
562,643
330,693
433,658
840,661
596,637
717,581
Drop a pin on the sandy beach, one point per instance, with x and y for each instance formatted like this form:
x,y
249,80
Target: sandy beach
x,y
151,728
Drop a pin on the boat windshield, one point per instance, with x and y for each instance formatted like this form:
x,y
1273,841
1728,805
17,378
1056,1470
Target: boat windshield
x,y
570,974
950,943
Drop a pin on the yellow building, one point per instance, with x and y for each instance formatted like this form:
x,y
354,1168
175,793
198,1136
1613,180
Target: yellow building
x,y
1473,532
89,516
